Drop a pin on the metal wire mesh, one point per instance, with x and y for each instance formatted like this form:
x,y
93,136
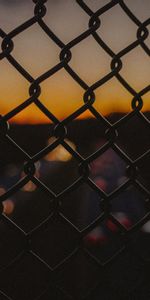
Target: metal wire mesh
x,y
60,131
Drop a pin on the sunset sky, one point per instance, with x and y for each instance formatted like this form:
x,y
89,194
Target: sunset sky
x,y
37,53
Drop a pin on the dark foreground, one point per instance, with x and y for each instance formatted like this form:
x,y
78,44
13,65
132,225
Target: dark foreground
x,y
67,257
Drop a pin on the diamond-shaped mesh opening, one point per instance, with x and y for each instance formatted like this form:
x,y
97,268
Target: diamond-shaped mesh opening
x,y
31,137
112,97
87,66
62,242
80,129
79,276
66,28
28,53
82,206
104,241
52,173
133,143
108,171
136,68
31,207
114,29
129,207
61,94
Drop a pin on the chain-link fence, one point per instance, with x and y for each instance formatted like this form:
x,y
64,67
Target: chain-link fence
x,y
76,270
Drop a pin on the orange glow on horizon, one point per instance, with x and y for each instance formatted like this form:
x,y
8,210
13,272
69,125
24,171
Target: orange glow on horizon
x,y
33,115
18,119
37,53
62,96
